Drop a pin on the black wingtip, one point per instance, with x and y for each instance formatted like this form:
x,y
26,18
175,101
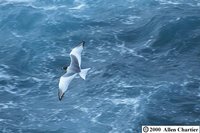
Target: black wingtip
x,y
60,99
60,95
83,43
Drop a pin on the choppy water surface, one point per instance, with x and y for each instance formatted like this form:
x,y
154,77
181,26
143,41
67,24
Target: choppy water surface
x,y
144,55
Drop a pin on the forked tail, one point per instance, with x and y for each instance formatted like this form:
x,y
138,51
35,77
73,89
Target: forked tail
x,y
83,73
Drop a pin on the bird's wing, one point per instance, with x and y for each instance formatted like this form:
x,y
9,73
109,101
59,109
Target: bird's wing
x,y
74,66
65,81
77,52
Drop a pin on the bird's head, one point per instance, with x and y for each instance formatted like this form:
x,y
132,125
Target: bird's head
x,y
60,94
65,68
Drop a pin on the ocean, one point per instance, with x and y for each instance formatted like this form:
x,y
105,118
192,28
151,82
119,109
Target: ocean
x,y
144,57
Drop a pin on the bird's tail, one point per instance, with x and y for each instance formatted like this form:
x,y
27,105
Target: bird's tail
x,y
83,73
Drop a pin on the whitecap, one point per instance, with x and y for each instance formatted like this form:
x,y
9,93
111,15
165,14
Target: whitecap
x,y
168,2
96,72
48,8
19,92
178,18
126,101
99,60
81,6
5,76
18,1
4,66
3,106
130,20
123,84
94,119
37,79
147,43
122,49
84,109
16,35
7,105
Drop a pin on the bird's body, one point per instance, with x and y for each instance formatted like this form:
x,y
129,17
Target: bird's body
x,y
72,70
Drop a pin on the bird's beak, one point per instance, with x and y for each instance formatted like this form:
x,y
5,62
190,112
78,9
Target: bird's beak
x,y
60,94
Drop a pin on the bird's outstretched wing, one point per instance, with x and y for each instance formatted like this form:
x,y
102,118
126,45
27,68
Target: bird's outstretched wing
x,y
74,65
77,52
64,83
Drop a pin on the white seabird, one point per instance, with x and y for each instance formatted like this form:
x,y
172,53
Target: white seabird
x,y
72,70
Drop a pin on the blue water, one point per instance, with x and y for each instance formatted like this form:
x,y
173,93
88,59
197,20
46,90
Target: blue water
x,y
144,55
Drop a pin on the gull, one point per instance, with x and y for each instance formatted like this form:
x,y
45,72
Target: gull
x,y
72,70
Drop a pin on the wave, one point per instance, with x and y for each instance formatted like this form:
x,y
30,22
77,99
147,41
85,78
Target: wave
x,y
180,36
140,51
